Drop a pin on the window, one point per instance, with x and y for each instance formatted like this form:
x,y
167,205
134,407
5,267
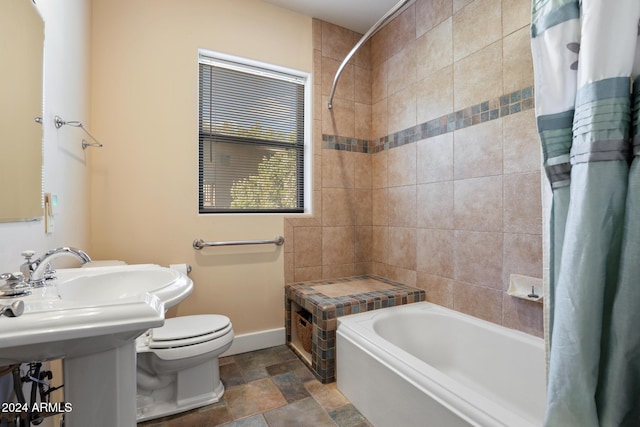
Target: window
x,y
251,137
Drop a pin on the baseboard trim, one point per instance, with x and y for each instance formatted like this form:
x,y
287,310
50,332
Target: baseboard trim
x,y
256,341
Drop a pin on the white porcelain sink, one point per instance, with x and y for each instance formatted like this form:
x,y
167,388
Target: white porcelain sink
x,y
90,318
108,284
88,310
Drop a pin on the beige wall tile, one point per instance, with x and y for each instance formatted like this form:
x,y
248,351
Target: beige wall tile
x,y
434,50
434,95
476,26
523,315
317,67
380,269
379,119
401,275
338,207
338,245
340,120
289,268
401,165
478,150
308,274
522,255
316,31
478,301
402,247
379,169
288,236
522,203
478,204
402,69
430,13
364,244
402,206
401,31
363,121
435,252
479,258
317,100
336,41
515,15
435,159
517,60
435,205
380,244
379,47
317,126
459,4
363,207
478,77
380,206
363,163
379,82
362,86
317,207
308,244
521,149
338,169
338,270
345,88
402,110
317,171
363,269
362,57
438,290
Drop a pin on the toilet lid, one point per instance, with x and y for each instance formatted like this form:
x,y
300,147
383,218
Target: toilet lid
x,y
184,327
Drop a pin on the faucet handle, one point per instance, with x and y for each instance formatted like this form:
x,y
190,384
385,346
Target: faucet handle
x,y
11,277
28,254
13,280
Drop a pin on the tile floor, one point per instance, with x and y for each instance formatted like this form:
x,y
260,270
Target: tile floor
x,y
270,388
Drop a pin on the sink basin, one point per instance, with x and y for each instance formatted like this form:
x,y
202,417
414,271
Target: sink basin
x,y
89,310
104,285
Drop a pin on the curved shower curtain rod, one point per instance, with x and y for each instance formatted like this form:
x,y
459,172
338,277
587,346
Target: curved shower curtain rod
x,y
362,41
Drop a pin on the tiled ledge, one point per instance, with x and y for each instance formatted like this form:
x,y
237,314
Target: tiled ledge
x,y
511,103
326,300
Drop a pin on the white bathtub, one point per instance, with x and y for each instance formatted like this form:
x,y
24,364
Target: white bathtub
x,y
424,365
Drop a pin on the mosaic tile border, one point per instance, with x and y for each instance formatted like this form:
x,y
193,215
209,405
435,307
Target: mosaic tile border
x,y
511,103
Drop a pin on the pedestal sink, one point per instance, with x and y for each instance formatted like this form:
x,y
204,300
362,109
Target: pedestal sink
x,y
90,317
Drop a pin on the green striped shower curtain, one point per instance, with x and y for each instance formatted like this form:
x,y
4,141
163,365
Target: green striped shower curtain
x,y
586,55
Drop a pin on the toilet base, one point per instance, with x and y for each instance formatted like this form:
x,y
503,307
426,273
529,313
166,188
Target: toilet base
x,y
187,389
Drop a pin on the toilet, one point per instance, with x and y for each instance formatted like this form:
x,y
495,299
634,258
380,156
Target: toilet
x,y
177,364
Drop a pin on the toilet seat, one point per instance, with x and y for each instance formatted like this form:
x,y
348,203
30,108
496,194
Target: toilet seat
x,y
189,330
187,336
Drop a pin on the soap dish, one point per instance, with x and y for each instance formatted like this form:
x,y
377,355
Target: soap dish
x,y
525,287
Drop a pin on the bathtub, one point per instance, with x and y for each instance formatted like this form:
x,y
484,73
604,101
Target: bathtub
x,y
424,365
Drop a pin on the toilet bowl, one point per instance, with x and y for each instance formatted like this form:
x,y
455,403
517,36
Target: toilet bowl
x,y
177,364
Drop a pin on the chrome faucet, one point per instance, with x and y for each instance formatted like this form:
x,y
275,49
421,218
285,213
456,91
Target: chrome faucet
x,y
37,272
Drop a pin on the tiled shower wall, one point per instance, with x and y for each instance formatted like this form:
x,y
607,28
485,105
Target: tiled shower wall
x,y
427,168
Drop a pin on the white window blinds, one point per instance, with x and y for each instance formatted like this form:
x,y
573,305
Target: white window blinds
x,y
251,138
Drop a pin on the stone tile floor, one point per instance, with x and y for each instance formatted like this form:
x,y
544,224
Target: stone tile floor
x,y
270,388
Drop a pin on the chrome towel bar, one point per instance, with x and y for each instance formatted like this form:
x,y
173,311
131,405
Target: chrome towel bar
x,y
199,243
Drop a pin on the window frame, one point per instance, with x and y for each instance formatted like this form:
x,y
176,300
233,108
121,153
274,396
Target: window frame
x,y
253,66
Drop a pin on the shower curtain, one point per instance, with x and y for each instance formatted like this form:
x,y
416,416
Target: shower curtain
x,y
586,57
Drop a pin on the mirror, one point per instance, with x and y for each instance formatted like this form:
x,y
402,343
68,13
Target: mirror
x,y
21,82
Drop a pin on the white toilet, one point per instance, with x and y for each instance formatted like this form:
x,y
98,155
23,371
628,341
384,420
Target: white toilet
x,y
177,363
178,366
